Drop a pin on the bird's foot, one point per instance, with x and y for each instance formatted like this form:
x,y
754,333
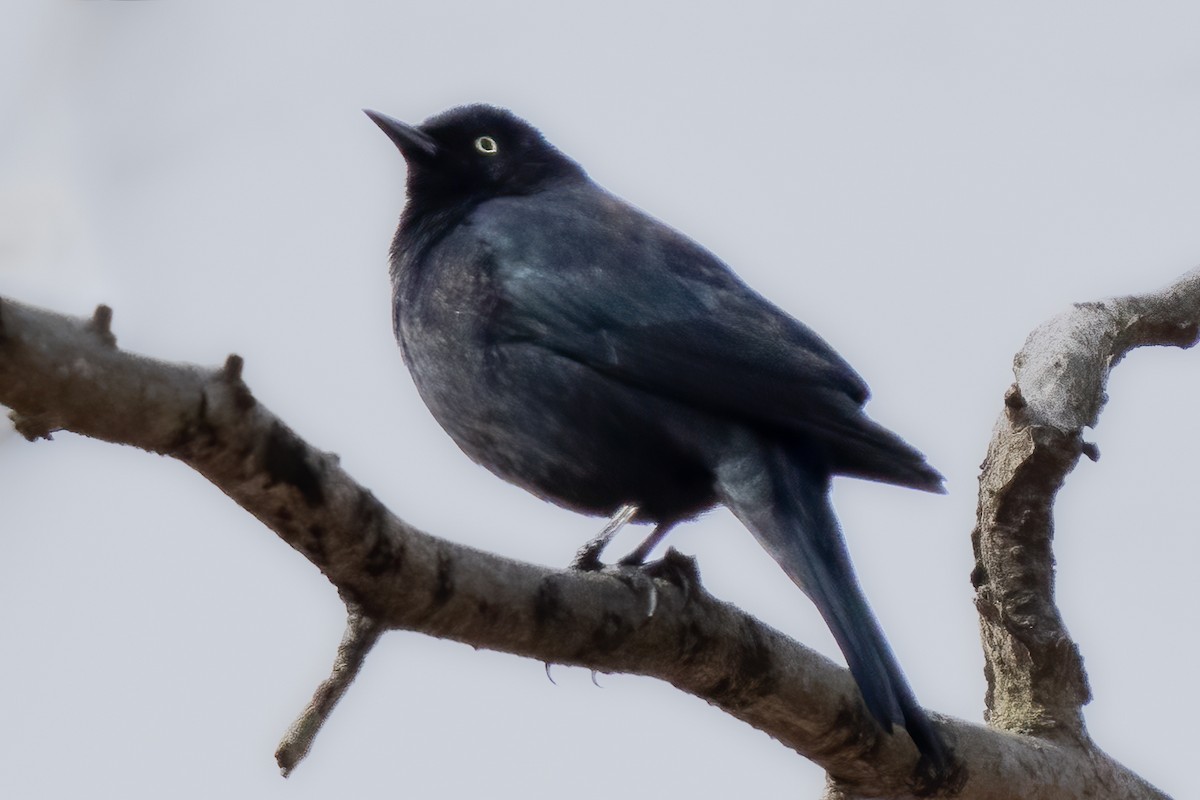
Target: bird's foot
x,y
638,581
588,557
674,567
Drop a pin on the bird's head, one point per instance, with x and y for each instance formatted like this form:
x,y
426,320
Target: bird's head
x,y
475,152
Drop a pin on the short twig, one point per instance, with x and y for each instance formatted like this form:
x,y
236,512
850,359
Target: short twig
x,y
362,632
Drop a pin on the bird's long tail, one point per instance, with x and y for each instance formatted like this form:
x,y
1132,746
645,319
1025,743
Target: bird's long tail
x,y
785,503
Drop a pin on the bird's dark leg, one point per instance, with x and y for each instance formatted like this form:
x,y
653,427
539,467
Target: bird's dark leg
x,y
638,557
588,557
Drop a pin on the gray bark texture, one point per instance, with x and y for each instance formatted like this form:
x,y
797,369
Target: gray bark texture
x,y
61,373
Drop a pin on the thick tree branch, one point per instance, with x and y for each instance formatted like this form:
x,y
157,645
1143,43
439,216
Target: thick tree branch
x,y
1036,681
58,373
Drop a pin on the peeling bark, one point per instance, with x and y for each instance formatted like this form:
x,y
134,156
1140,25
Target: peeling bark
x,y
1036,680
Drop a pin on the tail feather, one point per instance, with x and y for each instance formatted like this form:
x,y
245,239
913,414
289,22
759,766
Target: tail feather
x,y
869,450
785,504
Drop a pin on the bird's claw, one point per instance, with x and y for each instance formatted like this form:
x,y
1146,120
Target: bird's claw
x,y
674,567
677,569
638,581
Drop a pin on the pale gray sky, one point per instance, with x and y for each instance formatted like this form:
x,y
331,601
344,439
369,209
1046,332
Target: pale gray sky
x,y
922,183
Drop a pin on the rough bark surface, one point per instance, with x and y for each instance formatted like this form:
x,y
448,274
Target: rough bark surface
x,y
59,373
1036,681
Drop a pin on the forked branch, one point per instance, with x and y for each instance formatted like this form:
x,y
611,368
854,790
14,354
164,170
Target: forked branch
x,y
59,373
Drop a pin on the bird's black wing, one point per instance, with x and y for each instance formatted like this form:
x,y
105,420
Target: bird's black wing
x,y
605,285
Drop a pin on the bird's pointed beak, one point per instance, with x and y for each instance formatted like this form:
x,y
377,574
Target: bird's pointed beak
x,y
413,142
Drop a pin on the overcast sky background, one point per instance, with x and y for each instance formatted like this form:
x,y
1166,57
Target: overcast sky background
x,y
922,183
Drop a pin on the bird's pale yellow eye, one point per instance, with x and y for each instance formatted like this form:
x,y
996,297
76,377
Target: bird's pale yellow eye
x,y
487,145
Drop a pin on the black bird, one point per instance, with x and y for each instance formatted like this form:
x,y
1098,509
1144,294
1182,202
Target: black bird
x,y
585,351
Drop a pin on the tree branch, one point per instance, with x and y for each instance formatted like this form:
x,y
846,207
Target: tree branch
x,y
362,632
1036,681
59,373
